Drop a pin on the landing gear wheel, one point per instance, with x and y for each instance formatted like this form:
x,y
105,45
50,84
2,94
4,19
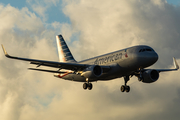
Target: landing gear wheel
x,y
127,89
123,88
85,85
89,86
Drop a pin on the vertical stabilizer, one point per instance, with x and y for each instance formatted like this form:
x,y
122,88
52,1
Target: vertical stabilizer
x,y
63,50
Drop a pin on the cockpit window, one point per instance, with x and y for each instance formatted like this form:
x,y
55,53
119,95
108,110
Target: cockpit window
x,y
147,49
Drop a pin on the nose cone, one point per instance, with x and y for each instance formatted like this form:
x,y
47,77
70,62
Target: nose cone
x,y
147,59
154,57
151,58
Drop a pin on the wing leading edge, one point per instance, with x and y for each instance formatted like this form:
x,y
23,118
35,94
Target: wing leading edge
x,y
60,65
167,70
175,65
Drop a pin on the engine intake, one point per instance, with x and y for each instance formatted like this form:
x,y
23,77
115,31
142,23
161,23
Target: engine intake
x,y
93,71
150,76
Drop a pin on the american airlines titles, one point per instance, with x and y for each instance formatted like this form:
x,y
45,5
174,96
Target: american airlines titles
x,y
107,59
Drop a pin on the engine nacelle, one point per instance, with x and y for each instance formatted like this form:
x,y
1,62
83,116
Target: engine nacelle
x,y
150,76
93,71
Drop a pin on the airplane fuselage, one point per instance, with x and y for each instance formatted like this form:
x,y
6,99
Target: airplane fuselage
x,y
121,63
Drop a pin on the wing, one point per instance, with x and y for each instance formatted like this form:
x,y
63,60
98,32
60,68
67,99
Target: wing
x,y
166,70
175,65
60,65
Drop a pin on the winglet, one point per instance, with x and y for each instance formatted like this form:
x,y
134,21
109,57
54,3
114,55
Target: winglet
x,y
6,54
175,64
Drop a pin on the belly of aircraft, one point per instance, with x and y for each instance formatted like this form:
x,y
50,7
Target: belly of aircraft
x,y
79,78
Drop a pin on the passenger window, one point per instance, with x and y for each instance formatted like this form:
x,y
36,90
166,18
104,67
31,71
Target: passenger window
x,y
140,50
143,50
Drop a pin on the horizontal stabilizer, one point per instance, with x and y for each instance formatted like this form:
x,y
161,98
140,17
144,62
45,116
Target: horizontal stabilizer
x,y
46,70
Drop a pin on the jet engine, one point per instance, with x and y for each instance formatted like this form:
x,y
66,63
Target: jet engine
x,y
93,71
150,76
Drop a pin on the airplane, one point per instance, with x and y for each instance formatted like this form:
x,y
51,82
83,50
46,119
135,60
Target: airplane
x,y
124,63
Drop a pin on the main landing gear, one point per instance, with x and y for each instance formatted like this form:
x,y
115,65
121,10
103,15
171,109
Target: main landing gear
x,y
87,85
125,87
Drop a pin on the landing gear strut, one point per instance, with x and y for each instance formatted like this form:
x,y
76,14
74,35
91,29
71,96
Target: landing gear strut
x,y
140,78
125,87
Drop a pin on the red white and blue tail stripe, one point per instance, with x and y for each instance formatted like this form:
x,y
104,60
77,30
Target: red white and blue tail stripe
x,y
63,50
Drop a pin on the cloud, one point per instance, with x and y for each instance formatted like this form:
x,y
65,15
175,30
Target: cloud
x,y
21,32
127,23
41,7
106,26
102,26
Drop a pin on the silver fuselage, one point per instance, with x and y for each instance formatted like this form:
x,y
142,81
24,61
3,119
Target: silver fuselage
x,y
122,63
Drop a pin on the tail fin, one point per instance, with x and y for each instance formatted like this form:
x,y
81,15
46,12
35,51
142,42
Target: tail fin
x,y
63,50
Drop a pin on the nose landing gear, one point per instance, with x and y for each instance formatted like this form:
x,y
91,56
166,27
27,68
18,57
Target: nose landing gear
x,y
125,87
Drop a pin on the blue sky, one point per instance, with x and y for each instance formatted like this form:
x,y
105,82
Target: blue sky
x,y
54,13
175,2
